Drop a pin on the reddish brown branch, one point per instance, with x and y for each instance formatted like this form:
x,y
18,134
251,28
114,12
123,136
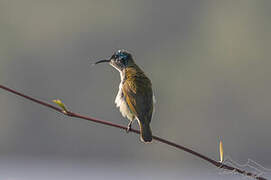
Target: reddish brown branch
x,y
72,114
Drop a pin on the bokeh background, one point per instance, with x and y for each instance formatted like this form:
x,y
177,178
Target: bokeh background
x,y
209,62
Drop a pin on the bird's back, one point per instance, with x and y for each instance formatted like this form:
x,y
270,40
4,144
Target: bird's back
x,y
137,90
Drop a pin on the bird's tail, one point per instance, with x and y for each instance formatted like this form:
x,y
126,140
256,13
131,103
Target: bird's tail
x,y
145,133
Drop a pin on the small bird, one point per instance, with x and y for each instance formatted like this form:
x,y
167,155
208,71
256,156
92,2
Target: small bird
x,y
135,97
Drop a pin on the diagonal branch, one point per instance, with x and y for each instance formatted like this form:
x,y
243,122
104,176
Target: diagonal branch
x,y
75,115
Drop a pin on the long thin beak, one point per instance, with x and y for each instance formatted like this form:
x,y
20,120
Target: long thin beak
x,y
102,61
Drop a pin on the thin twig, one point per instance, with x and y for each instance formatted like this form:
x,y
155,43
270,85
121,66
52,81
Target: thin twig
x,y
72,114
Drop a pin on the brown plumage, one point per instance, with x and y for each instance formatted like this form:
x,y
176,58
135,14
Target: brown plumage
x,y
137,91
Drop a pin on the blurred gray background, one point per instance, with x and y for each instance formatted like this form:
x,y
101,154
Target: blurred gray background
x,y
209,62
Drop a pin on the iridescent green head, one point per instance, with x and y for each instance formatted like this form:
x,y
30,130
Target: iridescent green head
x,y
119,60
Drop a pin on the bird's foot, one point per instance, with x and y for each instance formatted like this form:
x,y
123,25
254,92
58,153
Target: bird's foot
x,y
129,127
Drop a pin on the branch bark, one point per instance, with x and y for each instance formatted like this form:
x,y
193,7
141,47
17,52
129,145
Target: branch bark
x,y
157,138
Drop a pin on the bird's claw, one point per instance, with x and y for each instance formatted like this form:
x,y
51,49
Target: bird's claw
x,y
129,127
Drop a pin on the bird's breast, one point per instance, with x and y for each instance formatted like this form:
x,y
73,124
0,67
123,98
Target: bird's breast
x,y
121,103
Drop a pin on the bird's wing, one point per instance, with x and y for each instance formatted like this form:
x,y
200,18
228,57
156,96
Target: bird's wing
x,y
138,95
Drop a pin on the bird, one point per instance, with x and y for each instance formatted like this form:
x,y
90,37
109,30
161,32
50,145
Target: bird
x,y
135,98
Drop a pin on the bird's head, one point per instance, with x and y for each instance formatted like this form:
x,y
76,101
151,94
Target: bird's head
x,y
119,60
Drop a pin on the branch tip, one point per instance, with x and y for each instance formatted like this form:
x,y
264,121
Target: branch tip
x,y
221,151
